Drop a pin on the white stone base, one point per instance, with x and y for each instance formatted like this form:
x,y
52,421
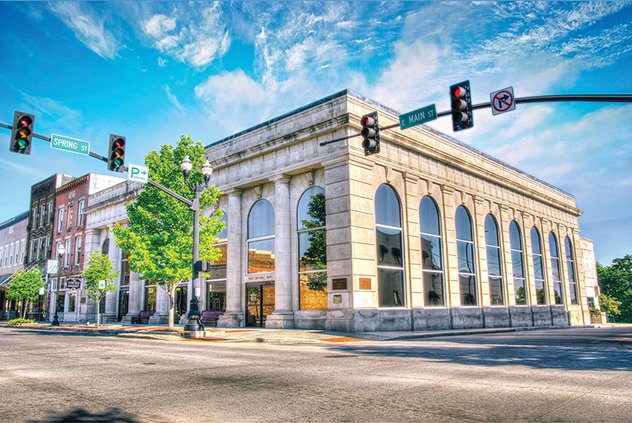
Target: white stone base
x,y
281,320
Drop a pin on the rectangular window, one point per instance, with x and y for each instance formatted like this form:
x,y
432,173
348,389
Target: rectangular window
x,y
42,214
39,248
78,241
60,221
60,301
1,256
11,255
50,211
47,252
67,253
80,213
72,302
261,256
34,217
17,252
22,251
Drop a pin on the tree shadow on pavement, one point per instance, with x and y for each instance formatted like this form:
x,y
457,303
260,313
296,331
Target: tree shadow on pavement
x,y
81,415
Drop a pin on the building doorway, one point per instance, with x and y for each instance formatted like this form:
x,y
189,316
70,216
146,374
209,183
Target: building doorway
x,y
123,307
259,303
181,302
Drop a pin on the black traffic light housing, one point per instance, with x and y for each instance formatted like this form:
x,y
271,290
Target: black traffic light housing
x,y
461,101
22,133
370,134
116,155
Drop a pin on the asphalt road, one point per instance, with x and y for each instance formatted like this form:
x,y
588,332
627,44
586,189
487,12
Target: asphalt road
x,y
557,375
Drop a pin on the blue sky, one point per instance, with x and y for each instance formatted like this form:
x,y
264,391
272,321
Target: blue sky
x,y
155,70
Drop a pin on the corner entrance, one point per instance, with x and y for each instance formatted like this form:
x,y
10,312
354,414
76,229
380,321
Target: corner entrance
x,y
259,303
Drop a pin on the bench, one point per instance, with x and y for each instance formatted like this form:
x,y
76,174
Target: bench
x,y
210,317
143,316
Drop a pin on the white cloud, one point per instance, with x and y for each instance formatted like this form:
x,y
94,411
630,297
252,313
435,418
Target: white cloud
x,y
173,99
88,26
196,39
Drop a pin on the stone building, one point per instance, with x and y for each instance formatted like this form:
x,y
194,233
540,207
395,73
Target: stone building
x,y
69,228
428,234
12,250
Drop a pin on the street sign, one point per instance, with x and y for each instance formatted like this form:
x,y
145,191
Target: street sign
x,y
66,143
138,173
51,266
502,101
417,117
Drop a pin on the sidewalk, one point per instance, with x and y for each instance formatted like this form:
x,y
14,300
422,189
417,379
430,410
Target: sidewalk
x,y
278,336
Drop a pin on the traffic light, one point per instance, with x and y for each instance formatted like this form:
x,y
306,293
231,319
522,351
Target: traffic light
x,y
116,157
461,99
22,133
370,133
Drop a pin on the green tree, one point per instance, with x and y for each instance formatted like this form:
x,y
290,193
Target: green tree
x,y
25,287
99,269
159,238
616,281
609,305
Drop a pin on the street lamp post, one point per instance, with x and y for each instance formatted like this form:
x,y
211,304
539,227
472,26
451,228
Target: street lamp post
x,y
193,316
60,252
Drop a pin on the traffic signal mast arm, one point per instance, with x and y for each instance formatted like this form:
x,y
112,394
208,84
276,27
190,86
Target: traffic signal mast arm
x,y
105,159
598,98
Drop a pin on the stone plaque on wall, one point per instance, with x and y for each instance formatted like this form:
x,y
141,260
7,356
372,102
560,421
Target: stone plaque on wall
x,y
337,299
339,283
365,283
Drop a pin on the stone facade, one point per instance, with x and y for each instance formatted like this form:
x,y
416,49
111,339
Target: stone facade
x,y
280,159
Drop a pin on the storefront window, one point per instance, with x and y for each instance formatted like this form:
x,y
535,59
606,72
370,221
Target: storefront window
x,y
390,260
312,248
465,255
538,267
431,258
261,238
494,262
517,264
570,266
150,298
555,269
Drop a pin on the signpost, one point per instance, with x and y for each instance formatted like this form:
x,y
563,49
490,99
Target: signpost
x,y
138,173
66,143
417,117
51,266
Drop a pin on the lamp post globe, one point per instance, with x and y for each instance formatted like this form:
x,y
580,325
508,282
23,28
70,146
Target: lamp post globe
x,y
60,252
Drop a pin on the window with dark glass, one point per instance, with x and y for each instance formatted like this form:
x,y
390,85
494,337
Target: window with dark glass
x,y
570,267
555,269
517,264
72,302
261,238
538,267
431,257
494,262
390,260
465,256
312,250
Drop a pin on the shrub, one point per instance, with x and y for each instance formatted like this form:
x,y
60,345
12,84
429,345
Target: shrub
x,y
18,322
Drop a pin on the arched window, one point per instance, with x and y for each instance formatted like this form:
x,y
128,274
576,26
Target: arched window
x,y
312,250
105,248
465,255
494,261
390,261
517,263
570,266
431,258
538,266
261,237
555,269
216,281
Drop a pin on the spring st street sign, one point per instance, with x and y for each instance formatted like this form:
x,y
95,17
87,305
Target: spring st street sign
x,y
66,143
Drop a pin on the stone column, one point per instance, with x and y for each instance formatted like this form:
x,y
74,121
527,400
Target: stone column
x,y
283,317
111,302
234,315
451,268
